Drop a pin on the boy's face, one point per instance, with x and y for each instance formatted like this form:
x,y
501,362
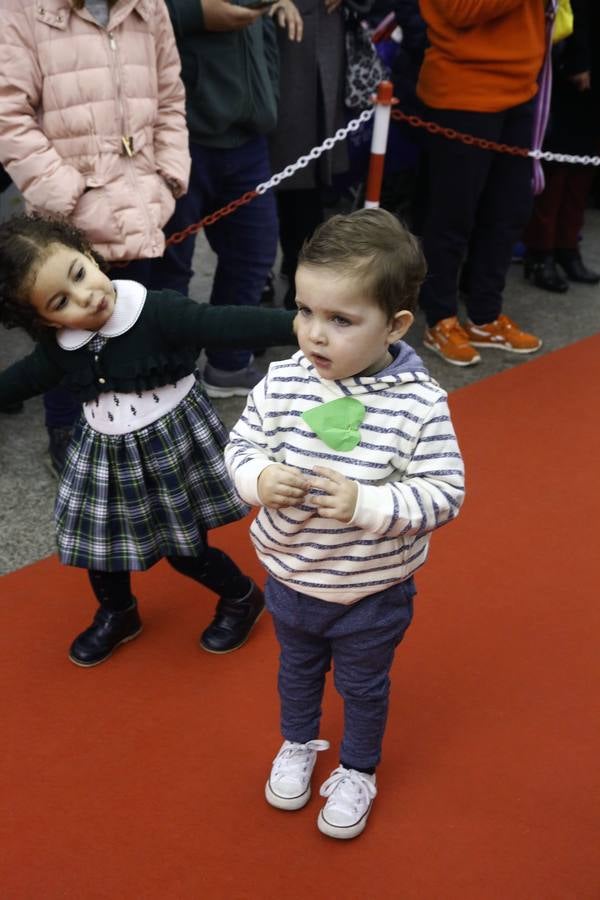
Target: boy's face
x,y
70,291
340,330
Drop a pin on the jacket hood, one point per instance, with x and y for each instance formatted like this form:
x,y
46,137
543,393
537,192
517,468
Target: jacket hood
x,y
406,367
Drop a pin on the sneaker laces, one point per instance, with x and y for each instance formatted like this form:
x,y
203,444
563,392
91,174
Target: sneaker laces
x,y
347,788
452,330
294,759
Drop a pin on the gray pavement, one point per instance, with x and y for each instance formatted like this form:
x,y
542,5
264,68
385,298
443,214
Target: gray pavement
x,y
27,489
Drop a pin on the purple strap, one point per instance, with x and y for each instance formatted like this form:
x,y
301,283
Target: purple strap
x,y
542,106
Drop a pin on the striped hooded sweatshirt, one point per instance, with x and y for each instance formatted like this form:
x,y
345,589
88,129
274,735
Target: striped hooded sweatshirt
x,y
407,464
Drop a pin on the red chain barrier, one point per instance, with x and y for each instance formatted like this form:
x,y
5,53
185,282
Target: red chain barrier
x,y
453,135
210,219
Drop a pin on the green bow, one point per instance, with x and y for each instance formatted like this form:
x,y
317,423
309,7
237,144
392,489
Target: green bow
x,y
336,422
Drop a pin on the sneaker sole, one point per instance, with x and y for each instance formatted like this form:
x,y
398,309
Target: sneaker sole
x,y
288,803
342,832
213,391
508,349
453,362
237,646
90,665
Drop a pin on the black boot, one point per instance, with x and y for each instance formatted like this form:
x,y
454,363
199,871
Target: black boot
x,y
234,619
107,631
541,269
574,268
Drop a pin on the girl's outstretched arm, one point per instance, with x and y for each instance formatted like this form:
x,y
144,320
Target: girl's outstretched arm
x,y
29,377
186,323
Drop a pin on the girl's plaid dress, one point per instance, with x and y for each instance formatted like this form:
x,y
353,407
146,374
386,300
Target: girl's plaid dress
x,y
126,500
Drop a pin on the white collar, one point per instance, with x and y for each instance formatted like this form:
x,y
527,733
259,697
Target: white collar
x,y
131,297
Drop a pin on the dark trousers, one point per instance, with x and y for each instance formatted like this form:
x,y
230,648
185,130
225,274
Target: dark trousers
x,y
479,202
361,640
61,408
245,241
558,212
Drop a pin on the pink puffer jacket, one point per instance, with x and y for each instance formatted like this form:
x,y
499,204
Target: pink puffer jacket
x,y
92,119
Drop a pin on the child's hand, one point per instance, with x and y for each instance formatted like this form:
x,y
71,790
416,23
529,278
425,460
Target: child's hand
x,y
279,485
338,500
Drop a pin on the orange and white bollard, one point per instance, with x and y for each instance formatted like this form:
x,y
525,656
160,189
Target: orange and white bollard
x,y
381,127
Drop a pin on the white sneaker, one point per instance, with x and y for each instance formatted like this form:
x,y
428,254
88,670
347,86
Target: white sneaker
x,y
351,795
288,786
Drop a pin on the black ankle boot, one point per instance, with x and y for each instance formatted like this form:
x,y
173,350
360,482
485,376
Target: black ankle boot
x,y
233,621
541,269
107,631
574,268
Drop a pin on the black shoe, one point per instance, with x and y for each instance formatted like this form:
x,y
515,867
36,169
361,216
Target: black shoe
x,y
234,620
59,439
574,268
11,409
541,269
107,631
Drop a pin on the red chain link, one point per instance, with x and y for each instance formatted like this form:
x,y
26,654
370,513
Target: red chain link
x,y
178,236
453,135
211,218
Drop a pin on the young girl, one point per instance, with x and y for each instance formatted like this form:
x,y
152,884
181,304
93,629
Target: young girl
x,y
144,476
94,128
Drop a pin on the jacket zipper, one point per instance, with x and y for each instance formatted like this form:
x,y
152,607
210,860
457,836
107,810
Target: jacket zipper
x,y
127,140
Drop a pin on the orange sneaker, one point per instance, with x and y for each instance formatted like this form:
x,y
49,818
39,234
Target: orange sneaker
x,y
502,334
449,340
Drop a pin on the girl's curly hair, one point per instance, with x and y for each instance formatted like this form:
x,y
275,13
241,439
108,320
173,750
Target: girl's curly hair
x,y
25,244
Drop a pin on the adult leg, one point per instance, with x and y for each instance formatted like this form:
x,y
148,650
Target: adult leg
x,y
503,210
174,270
245,241
540,234
299,211
240,601
570,224
61,410
457,174
116,621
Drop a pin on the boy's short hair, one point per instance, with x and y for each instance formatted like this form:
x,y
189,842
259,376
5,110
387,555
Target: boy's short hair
x,y
376,248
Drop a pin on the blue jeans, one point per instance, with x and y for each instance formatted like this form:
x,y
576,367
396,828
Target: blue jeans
x,y
361,640
245,241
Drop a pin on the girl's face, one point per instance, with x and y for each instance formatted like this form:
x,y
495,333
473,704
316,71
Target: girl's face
x,y
71,291
342,332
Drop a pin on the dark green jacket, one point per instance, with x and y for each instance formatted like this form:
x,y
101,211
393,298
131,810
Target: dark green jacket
x,y
161,347
231,77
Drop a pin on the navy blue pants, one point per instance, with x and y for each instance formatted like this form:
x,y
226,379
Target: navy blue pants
x,y
245,241
361,640
479,202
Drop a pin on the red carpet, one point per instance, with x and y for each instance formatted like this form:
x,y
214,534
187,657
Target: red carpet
x,y
143,778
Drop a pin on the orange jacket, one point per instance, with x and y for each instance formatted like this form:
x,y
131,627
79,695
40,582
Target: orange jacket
x,y
485,55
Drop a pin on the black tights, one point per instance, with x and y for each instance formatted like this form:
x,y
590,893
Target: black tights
x,y
213,569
